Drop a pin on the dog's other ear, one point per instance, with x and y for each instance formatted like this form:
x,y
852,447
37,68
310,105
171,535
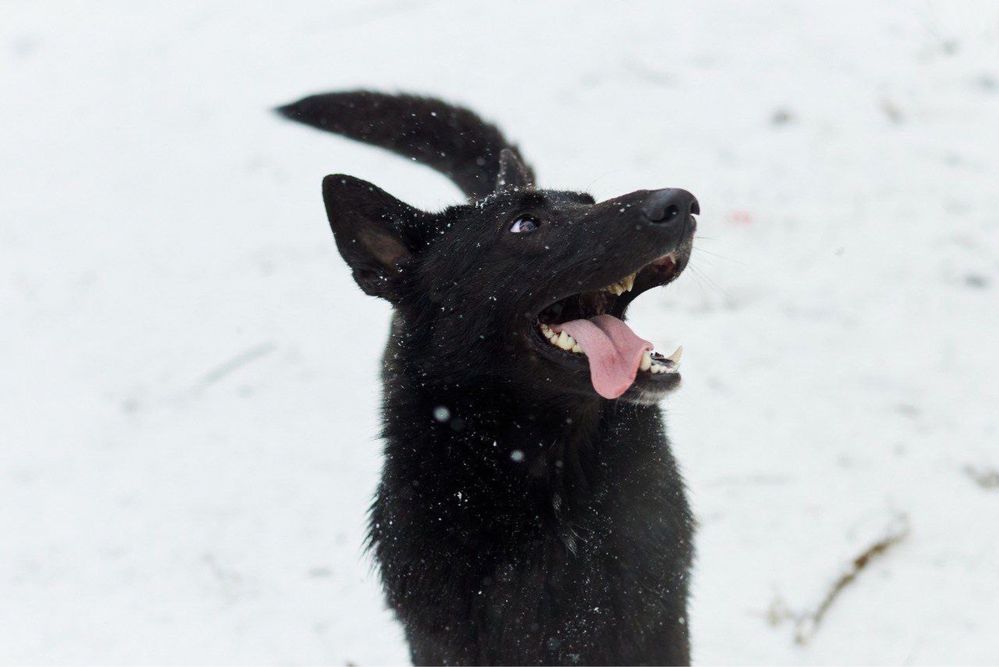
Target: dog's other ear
x,y
372,231
512,172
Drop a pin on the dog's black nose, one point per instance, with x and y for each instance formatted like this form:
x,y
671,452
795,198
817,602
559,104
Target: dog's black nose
x,y
669,205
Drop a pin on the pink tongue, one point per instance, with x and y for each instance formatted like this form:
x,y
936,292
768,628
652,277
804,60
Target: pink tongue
x,y
613,350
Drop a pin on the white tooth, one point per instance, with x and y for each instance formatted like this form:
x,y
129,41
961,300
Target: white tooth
x,y
629,282
563,341
675,357
646,361
552,336
577,349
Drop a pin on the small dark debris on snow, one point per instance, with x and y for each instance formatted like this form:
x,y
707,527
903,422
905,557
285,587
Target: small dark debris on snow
x,y
976,280
782,117
987,478
892,111
233,364
778,612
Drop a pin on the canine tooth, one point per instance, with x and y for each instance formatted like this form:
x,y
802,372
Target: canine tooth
x,y
564,341
675,357
620,287
646,361
577,349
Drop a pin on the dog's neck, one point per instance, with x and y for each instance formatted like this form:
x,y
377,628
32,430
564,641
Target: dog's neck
x,y
490,431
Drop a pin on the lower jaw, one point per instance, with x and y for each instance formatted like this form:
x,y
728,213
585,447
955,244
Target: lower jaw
x,y
651,389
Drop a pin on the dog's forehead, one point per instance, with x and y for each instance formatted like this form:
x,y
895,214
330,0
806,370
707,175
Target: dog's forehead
x,y
517,200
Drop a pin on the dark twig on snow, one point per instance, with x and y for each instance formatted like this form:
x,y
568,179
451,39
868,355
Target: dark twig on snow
x,y
242,359
808,624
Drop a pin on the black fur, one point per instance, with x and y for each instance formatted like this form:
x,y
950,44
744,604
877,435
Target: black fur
x,y
450,139
521,518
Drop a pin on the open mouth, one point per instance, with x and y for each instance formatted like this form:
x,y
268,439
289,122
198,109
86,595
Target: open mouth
x,y
589,325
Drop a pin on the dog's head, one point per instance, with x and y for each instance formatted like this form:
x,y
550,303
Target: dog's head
x,y
526,288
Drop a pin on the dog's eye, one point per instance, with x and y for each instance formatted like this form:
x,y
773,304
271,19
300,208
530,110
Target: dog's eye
x,y
524,224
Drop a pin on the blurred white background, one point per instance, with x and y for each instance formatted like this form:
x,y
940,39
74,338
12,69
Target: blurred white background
x,y
188,375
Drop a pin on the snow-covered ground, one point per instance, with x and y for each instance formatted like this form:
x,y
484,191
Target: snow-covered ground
x,y
188,383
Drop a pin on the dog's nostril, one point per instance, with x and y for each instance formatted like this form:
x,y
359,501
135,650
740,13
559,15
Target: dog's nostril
x,y
670,205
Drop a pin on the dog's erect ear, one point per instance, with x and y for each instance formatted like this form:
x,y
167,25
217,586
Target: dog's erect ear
x,y
373,231
512,172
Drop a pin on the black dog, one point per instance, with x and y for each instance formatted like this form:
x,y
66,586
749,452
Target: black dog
x,y
530,511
